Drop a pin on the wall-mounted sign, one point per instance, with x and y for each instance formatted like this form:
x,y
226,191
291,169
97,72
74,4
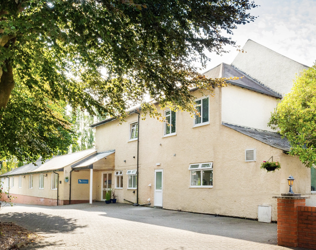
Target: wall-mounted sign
x,y
83,181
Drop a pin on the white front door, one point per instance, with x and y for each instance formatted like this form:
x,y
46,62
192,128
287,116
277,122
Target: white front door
x,y
158,188
106,184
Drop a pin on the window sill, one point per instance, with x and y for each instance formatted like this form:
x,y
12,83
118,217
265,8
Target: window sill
x,y
169,135
54,188
201,187
201,124
118,188
131,188
313,192
41,188
131,140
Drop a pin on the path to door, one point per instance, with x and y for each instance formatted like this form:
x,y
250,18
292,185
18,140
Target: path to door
x,y
120,226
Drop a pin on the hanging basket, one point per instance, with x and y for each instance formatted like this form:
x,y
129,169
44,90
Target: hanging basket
x,y
270,166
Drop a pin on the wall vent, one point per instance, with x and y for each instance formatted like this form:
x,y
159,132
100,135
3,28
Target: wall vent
x,y
250,155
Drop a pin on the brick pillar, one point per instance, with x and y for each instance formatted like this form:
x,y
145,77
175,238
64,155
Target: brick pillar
x,y
288,220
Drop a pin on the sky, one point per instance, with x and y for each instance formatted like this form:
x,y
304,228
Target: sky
x,y
285,26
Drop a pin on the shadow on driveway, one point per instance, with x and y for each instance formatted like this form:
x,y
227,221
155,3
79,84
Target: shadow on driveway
x,y
40,222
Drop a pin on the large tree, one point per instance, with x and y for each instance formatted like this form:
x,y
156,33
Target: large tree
x,y
295,117
52,51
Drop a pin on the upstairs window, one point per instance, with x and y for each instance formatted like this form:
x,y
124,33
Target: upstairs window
x,y
201,174
119,179
170,123
41,181
132,179
202,107
134,131
30,181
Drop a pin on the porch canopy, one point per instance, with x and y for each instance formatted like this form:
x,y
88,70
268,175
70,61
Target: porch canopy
x,y
88,162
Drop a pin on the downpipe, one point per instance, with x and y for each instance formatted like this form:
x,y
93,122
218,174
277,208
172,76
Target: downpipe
x,y
70,186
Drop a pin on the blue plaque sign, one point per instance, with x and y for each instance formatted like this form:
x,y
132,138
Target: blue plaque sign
x,y
83,181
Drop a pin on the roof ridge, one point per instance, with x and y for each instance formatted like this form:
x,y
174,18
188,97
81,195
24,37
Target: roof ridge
x,y
273,139
256,81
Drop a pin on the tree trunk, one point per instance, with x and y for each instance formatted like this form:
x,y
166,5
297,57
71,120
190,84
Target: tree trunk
x,y
6,84
6,74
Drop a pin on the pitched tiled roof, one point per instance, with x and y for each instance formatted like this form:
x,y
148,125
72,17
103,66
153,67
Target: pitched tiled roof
x,y
245,81
61,161
271,138
24,169
57,162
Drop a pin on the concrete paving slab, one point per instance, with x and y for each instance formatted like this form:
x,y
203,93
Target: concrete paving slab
x,y
121,226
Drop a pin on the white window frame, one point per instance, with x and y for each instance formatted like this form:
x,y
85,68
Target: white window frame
x,y
7,183
31,181
20,181
254,155
170,125
131,129
41,177
201,114
200,168
130,174
12,181
54,180
117,185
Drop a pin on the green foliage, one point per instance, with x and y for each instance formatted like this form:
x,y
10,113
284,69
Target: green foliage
x,y
54,51
270,166
295,116
33,126
9,165
81,121
108,195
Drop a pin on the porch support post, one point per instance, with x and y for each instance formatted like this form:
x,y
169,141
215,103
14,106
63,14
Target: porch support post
x,y
91,185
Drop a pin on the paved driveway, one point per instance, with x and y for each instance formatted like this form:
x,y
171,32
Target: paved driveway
x,y
121,226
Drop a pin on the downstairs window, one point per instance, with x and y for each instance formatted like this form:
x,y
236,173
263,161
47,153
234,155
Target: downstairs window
x,y
201,175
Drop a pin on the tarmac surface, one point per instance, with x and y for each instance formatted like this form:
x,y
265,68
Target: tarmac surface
x,y
122,226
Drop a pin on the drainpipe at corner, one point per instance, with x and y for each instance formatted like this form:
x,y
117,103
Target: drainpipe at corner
x,y
137,175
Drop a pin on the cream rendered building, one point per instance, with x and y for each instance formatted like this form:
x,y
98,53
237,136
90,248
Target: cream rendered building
x,y
208,164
